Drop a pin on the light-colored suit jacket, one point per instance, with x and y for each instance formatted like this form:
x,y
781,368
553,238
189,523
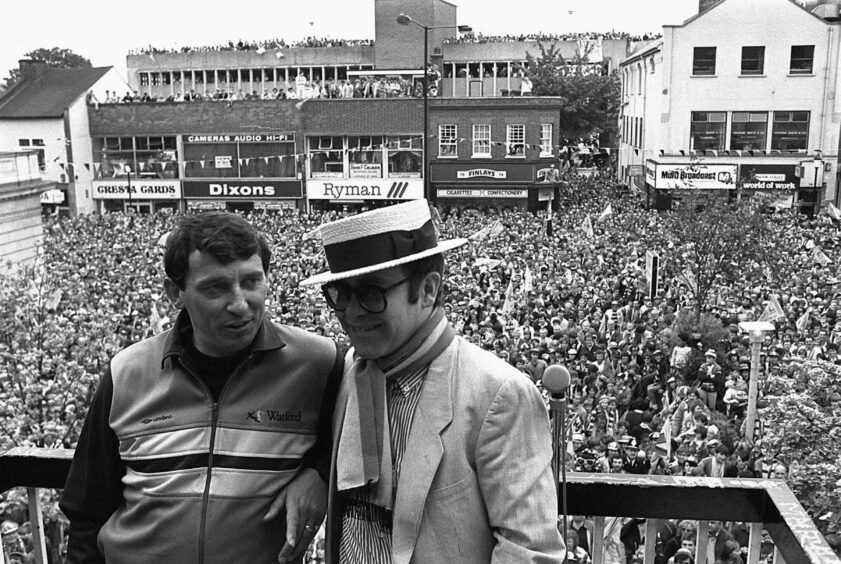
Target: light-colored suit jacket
x,y
476,482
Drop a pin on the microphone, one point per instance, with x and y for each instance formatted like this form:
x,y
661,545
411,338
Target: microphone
x,y
556,379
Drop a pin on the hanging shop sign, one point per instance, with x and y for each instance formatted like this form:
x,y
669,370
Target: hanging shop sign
x,y
141,189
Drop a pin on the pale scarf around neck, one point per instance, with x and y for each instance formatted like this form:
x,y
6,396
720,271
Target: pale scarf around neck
x,y
364,451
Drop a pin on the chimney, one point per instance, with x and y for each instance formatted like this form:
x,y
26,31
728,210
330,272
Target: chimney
x,y
31,69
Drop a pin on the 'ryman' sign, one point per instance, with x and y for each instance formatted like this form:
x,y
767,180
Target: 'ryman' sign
x,y
481,193
360,189
482,173
141,189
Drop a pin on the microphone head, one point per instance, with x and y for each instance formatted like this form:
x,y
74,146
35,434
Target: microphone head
x,y
556,379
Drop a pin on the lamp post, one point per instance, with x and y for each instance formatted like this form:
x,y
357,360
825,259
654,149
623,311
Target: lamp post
x,y
404,19
756,331
127,168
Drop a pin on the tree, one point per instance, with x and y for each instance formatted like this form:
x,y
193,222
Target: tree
x,y
803,430
53,57
713,242
590,100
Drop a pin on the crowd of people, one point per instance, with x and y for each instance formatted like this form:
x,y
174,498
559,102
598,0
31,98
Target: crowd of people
x,y
646,398
264,45
472,37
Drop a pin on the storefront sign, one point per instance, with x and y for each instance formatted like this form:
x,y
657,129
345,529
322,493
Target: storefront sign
x,y
545,195
223,161
243,138
365,170
275,206
53,196
141,189
768,177
343,190
635,170
692,176
255,189
482,173
512,193
548,174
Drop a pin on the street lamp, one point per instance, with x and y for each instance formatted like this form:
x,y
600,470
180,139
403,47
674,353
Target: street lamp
x,y
127,168
756,331
404,19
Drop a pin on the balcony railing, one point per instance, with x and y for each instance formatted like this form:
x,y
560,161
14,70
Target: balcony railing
x,y
763,504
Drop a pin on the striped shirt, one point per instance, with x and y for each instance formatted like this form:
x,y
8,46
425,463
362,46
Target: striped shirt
x,y
366,528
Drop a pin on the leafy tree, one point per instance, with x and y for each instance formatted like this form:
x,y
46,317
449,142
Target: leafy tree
x,y
803,430
590,100
713,242
53,57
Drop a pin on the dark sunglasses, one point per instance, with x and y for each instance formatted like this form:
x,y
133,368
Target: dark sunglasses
x,y
370,297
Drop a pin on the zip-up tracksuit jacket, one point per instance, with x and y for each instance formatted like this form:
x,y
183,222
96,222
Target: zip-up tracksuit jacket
x,y
162,473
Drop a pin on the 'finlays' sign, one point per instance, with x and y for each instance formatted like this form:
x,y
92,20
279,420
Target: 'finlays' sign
x,y
482,173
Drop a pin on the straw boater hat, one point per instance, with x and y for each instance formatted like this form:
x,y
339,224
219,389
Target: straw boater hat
x,y
379,239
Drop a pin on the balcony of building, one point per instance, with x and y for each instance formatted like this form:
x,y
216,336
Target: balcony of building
x,y
763,505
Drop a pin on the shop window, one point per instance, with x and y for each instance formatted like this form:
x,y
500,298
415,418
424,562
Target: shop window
x,y
703,61
447,140
405,156
36,145
707,130
748,130
481,140
326,157
802,59
790,131
365,156
211,160
267,160
753,60
515,140
546,140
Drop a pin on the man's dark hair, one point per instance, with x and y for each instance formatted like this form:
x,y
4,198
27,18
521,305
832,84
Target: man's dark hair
x,y
224,236
418,269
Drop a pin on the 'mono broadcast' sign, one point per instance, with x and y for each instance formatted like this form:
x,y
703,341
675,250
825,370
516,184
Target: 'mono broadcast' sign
x,y
360,189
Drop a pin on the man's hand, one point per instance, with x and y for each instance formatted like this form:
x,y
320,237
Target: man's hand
x,y
305,500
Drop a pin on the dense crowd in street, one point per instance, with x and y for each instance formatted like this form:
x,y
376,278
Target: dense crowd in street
x,y
645,398
549,37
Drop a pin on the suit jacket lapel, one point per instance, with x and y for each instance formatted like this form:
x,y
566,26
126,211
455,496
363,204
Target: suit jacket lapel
x,y
424,450
334,519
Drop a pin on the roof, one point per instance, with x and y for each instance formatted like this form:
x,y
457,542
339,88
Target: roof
x,y
720,2
48,95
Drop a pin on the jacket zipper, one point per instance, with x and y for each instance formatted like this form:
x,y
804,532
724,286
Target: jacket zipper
x,y
206,495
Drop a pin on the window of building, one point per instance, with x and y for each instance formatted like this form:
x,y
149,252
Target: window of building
x,y
36,145
753,60
365,156
515,140
144,79
447,140
802,59
270,156
152,156
481,140
748,130
156,79
326,157
405,156
703,61
707,130
790,131
546,140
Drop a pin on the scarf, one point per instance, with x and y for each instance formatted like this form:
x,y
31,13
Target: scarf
x,y
364,451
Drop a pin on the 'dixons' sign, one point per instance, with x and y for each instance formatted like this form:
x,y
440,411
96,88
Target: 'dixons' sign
x,y
256,189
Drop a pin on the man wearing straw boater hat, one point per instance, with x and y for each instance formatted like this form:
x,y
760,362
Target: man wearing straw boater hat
x,y
442,451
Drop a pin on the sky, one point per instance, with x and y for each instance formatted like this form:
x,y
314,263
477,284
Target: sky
x,y
105,30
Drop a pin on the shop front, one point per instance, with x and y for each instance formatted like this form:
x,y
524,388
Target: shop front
x,y
357,193
242,195
499,186
143,195
783,182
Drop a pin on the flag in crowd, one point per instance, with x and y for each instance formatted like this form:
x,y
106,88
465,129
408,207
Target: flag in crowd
x,y
510,302
608,210
820,257
773,311
528,281
489,232
803,322
834,212
587,227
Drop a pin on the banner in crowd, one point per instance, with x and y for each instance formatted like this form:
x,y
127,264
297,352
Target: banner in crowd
x,y
587,227
608,210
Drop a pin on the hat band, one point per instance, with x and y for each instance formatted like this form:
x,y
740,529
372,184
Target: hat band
x,y
380,248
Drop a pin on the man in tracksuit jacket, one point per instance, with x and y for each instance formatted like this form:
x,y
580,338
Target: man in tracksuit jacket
x,y
199,437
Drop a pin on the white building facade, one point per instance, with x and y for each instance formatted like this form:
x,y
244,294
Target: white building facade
x,y
738,100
